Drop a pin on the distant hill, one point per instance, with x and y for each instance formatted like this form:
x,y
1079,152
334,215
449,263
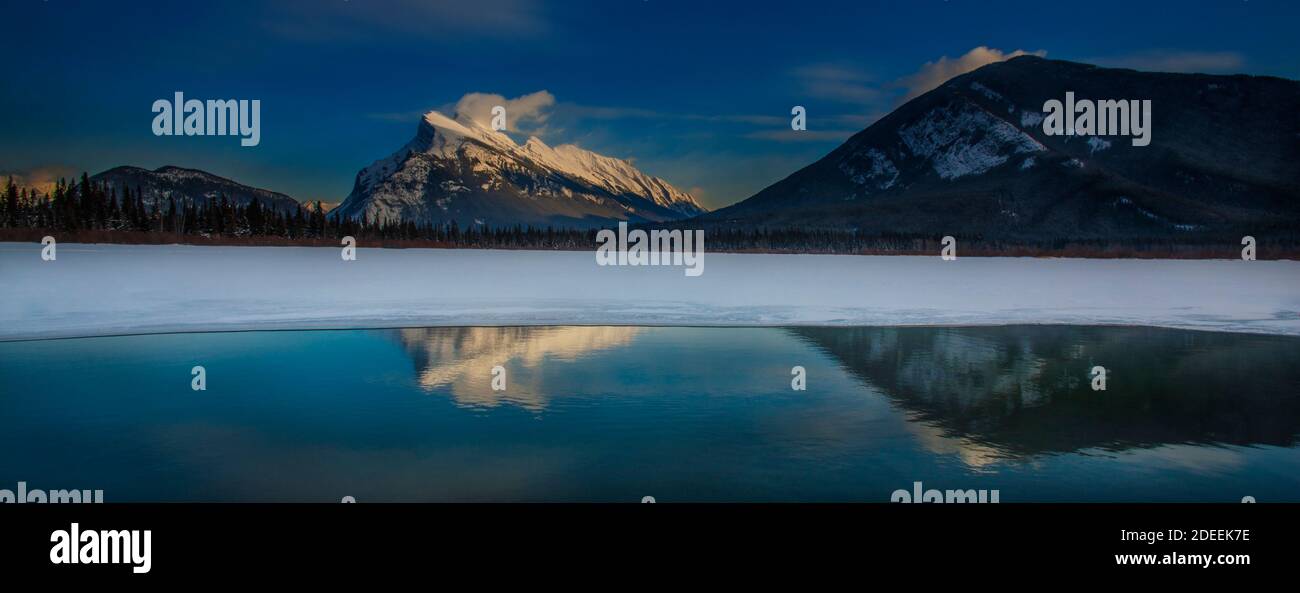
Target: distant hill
x,y
189,186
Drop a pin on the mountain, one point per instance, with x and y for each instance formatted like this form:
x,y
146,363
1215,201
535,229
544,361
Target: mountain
x,y
970,159
189,185
1007,391
457,169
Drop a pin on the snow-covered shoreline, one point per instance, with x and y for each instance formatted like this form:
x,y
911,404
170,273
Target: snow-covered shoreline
x,y
95,290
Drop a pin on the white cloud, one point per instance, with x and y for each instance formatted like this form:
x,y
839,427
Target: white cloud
x,y
837,82
933,74
531,109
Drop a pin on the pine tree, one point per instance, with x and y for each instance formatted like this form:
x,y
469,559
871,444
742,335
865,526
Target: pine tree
x,y
11,203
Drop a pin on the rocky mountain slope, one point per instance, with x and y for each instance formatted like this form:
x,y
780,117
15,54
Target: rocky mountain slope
x,y
456,169
971,158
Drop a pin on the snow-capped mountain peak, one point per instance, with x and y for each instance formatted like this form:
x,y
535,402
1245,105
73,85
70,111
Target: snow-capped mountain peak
x,y
463,128
457,168
617,175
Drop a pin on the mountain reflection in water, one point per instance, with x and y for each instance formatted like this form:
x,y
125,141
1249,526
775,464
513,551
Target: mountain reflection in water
x,y
679,413
460,358
1026,390
1008,391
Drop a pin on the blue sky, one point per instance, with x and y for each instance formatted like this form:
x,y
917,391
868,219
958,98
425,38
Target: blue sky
x,y
696,92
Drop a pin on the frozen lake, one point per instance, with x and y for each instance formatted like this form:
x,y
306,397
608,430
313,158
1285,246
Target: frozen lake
x,y
93,290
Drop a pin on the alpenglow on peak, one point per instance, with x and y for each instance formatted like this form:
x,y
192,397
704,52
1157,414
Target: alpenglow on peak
x,y
458,169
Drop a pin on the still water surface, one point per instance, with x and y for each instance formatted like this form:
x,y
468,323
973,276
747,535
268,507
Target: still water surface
x,y
681,414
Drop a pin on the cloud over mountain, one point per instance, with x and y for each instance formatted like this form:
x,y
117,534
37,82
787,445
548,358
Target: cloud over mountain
x,y
532,108
457,168
935,73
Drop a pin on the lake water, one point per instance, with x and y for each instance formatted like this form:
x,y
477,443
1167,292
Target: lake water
x,y
678,413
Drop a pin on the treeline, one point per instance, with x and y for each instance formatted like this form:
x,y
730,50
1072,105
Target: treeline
x,y
86,209
1274,243
90,212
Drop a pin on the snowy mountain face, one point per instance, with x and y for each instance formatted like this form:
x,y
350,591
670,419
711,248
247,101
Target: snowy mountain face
x,y
456,169
188,186
971,158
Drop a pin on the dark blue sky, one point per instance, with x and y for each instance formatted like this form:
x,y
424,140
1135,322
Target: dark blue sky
x,y
696,92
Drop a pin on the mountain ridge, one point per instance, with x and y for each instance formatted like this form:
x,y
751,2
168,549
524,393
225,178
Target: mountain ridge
x,y
970,157
187,185
456,169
